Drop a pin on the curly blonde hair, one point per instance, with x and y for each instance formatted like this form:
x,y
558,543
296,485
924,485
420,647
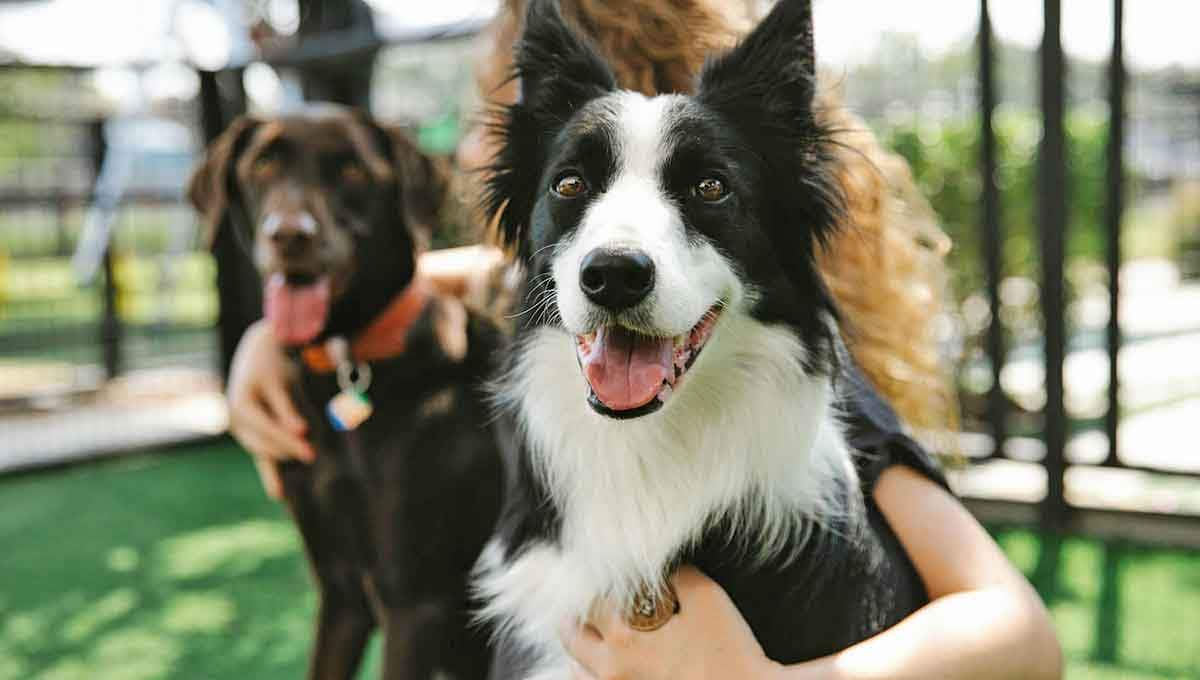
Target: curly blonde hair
x,y
884,267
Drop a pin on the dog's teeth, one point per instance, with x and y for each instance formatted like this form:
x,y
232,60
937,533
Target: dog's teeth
x,y
665,393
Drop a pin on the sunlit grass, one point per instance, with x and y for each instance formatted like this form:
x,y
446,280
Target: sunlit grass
x,y
231,550
151,567
176,567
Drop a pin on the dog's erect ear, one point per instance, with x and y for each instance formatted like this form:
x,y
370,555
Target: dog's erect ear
x,y
211,187
772,71
559,72
765,89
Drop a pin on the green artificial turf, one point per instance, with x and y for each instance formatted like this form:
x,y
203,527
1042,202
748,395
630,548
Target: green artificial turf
x,y
176,566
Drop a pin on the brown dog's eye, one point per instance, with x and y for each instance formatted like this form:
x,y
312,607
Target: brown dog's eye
x,y
352,173
570,186
710,190
265,169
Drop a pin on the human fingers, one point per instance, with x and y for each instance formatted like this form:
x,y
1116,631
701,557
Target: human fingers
x,y
587,649
289,421
268,474
257,431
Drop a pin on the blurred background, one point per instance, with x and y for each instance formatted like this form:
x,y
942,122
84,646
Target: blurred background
x,y
1058,141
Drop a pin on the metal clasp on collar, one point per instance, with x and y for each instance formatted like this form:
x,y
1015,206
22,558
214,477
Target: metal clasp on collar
x,y
351,375
350,407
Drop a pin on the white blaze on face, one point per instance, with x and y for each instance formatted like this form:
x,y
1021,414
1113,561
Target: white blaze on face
x,y
634,212
304,222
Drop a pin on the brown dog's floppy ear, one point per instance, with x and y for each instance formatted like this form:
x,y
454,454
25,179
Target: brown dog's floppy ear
x,y
210,186
423,182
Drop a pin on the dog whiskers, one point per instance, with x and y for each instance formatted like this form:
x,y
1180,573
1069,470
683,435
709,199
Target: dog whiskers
x,y
542,282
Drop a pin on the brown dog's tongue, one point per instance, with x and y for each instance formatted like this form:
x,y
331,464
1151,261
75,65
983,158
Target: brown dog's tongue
x,y
626,370
297,314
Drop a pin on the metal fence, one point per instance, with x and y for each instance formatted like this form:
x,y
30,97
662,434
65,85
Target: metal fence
x,y
154,299
99,289
1055,510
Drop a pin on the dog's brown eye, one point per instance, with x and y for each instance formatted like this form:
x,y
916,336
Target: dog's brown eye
x,y
266,169
570,186
353,173
710,189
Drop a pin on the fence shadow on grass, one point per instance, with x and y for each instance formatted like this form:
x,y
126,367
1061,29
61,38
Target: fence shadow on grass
x,y
1122,610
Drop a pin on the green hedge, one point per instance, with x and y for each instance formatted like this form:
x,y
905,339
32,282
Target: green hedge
x,y
945,160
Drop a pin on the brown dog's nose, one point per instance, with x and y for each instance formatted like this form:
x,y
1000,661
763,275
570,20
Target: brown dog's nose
x,y
291,234
291,241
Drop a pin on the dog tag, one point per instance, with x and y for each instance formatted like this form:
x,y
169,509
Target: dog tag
x,y
349,409
649,611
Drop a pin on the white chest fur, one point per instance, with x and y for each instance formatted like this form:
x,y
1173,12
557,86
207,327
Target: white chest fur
x,y
750,439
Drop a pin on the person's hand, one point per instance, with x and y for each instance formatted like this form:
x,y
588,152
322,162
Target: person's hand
x,y
470,273
262,416
707,640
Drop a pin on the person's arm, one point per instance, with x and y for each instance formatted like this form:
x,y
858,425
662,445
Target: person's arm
x,y
456,271
983,620
262,416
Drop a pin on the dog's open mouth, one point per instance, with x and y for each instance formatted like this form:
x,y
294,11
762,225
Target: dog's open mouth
x,y
630,374
296,306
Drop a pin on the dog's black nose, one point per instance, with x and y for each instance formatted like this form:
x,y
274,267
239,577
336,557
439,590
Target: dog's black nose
x,y
616,279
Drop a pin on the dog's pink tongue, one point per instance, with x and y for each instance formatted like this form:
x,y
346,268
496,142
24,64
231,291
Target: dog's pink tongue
x,y
297,314
626,370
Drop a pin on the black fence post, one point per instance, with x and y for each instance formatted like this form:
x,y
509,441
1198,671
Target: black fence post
x,y
63,246
111,332
1115,179
237,282
212,112
993,241
345,78
1052,226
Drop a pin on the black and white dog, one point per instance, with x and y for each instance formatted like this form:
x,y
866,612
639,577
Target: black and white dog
x,y
674,379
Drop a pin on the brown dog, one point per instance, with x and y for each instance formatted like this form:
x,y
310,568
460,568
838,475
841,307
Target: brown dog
x,y
333,208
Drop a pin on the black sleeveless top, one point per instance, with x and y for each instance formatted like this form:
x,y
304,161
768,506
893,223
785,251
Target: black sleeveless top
x,y
876,435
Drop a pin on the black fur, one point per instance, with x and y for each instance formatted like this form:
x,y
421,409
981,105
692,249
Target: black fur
x,y
764,91
559,73
393,514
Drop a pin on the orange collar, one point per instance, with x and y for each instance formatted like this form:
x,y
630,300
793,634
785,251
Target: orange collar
x,y
384,338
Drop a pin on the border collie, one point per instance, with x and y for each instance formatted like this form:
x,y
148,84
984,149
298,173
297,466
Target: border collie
x,y
673,380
